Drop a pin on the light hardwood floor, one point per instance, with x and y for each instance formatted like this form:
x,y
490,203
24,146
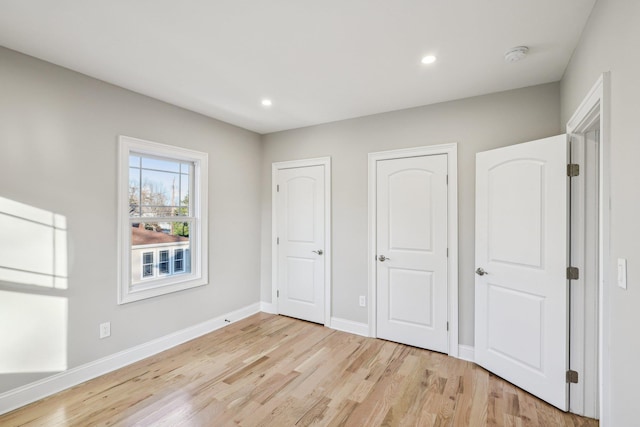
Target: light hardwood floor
x,y
271,370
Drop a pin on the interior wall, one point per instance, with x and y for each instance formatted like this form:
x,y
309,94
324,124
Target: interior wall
x,y
58,138
476,124
611,42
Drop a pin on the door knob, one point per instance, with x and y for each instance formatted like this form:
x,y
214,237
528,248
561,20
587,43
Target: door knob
x,y
480,271
319,251
382,258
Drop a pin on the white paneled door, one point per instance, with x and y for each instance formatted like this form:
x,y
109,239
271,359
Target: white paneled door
x,y
521,294
411,246
301,255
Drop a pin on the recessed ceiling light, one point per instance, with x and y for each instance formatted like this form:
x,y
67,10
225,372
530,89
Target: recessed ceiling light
x,y
429,59
267,103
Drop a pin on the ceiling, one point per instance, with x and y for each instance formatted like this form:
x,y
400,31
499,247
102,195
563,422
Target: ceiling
x,y
318,61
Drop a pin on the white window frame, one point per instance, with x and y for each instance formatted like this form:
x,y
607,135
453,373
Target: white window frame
x,y
198,233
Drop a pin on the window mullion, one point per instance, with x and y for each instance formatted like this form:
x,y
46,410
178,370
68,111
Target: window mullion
x,y
140,186
162,219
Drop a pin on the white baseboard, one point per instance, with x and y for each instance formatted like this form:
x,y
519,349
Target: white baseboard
x,y
350,326
29,393
466,352
268,307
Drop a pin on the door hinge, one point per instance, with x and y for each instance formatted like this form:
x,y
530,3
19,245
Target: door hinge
x,y
278,293
447,252
447,179
277,188
447,326
277,240
573,273
573,169
572,376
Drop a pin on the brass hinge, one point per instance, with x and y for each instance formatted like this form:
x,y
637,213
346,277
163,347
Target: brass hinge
x,y
573,169
572,376
573,273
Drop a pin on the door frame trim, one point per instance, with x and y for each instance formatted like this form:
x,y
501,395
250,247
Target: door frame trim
x,y
451,150
275,167
596,107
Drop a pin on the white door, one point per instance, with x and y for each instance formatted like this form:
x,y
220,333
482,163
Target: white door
x,y
521,315
300,202
411,274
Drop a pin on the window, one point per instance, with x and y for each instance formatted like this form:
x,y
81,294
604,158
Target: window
x,y
163,263
147,264
178,261
162,213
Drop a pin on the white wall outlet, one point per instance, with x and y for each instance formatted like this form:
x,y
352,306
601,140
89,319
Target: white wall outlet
x,y
622,273
363,301
105,329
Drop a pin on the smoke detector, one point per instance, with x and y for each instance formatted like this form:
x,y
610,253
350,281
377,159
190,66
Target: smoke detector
x,y
516,53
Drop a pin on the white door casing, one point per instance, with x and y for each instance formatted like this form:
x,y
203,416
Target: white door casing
x,y
590,302
521,309
412,251
302,264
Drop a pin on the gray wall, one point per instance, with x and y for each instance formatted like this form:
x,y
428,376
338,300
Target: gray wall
x,y
611,42
58,145
476,124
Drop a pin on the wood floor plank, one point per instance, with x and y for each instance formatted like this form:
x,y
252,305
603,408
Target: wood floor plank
x,y
270,370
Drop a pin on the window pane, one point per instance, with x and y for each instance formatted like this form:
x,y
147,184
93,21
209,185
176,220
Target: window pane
x,y
147,271
161,165
170,240
148,258
134,161
134,192
184,195
151,211
159,188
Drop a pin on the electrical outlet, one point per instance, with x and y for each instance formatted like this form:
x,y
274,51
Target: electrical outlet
x,y
363,301
105,330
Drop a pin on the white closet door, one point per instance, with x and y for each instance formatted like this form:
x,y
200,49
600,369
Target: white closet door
x,y
301,248
412,251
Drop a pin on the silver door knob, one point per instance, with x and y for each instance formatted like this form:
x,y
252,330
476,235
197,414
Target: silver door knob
x,y
480,271
382,258
319,252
